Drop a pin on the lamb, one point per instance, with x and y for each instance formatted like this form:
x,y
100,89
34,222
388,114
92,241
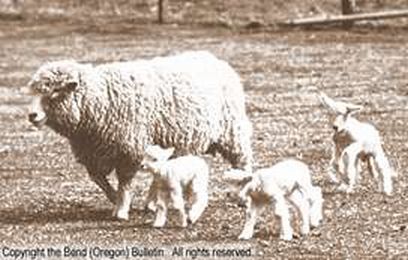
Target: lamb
x,y
354,142
287,180
193,102
172,178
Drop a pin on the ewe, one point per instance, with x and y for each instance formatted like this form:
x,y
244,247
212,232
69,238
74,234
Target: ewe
x,y
172,177
109,113
289,179
354,141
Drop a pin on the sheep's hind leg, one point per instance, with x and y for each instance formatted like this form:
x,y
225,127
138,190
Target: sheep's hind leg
x,y
237,149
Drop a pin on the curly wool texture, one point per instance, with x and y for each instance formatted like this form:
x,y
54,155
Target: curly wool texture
x,y
193,102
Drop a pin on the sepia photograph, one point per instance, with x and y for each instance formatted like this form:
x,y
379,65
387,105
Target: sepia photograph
x,y
203,129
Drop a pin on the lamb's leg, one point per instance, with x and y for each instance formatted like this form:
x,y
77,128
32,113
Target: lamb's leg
x,y
99,177
250,220
161,212
200,190
351,152
178,202
152,196
385,170
372,167
373,171
282,211
303,205
316,207
125,194
334,163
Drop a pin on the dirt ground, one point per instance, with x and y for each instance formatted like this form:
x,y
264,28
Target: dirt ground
x,y
47,199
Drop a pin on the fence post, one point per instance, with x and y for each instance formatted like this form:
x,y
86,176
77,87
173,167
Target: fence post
x,y
160,11
347,7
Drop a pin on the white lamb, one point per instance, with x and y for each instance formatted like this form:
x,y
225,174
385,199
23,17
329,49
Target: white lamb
x,y
289,179
356,141
172,177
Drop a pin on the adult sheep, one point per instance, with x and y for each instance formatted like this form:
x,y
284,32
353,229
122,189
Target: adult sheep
x,y
193,102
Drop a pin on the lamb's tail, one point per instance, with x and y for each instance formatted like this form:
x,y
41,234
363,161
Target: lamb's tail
x,y
312,193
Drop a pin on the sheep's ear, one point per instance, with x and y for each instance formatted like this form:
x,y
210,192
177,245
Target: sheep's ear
x,y
70,85
27,90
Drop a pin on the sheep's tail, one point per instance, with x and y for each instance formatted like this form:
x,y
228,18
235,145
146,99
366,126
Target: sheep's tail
x,y
237,175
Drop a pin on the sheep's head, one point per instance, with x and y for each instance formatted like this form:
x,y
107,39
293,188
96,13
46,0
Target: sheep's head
x,y
154,157
53,87
342,110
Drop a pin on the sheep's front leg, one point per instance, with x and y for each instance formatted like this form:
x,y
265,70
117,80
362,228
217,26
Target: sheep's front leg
x,y
350,153
303,205
178,202
161,212
124,198
282,211
200,189
99,177
250,220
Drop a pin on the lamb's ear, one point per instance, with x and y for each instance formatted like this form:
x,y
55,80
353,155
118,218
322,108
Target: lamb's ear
x,y
167,153
336,107
352,109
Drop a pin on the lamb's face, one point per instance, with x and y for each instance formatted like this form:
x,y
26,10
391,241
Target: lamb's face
x,y
154,157
150,164
340,122
238,183
52,88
